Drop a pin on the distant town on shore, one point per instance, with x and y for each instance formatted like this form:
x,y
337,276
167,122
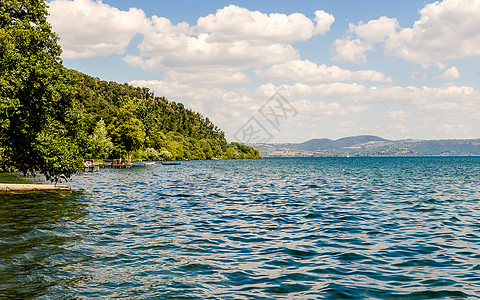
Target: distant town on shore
x,y
369,145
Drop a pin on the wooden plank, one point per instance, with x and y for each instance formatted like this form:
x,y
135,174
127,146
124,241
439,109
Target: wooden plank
x,y
15,187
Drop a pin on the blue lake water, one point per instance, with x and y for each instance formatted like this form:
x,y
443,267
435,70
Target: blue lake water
x,y
295,228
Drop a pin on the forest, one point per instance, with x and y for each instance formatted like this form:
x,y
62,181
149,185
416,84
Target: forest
x,y
51,117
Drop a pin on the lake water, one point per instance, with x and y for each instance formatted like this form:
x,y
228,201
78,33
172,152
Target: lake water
x,y
258,229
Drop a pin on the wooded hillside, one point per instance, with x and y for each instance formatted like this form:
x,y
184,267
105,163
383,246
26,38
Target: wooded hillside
x,y
118,120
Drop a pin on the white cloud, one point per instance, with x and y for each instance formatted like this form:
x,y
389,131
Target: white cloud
x,y
91,29
334,90
445,30
352,50
449,74
318,108
323,22
305,70
178,91
232,37
203,78
198,53
163,37
322,106
375,31
233,23
419,96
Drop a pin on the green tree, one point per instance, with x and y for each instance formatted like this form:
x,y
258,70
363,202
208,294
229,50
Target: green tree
x,y
196,153
128,132
101,143
35,94
56,149
176,149
206,148
232,153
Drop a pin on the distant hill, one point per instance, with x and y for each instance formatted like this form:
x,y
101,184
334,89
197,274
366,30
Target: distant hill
x,y
324,144
369,145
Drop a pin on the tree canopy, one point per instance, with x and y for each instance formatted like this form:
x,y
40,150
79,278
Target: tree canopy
x,y
36,114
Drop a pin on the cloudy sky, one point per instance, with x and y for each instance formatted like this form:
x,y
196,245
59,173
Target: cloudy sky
x,y
289,71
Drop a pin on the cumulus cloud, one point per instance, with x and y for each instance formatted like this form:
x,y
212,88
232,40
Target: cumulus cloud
x,y
361,38
323,22
445,30
178,91
411,95
233,23
374,31
232,37
216,49
351,51
449,74
307,71
90,29
197,53
334,90
210,78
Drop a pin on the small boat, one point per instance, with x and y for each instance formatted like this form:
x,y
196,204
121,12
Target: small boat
x,y
171,162
148,163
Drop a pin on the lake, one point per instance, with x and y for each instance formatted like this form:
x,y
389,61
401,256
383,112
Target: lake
x,y
296,228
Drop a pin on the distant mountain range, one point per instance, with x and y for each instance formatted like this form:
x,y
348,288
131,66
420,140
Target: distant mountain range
x,y
369,145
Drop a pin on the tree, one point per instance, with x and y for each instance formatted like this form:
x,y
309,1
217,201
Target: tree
x,y
176,149
127,131
196,153
101,143
35,95
232,153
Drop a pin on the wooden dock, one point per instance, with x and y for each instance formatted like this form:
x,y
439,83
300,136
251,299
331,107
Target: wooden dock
x,y
90,165
118,163
18,188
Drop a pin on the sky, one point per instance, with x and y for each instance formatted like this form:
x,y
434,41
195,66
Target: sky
x,y
289,71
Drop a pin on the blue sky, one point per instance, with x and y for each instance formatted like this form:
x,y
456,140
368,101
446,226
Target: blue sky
x,y
289,71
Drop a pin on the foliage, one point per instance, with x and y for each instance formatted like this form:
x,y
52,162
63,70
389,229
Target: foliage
x,y
56,150
35,94
127,131
100,143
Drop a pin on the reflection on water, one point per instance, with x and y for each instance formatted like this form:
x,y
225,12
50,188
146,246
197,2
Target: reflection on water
x,y
274,228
